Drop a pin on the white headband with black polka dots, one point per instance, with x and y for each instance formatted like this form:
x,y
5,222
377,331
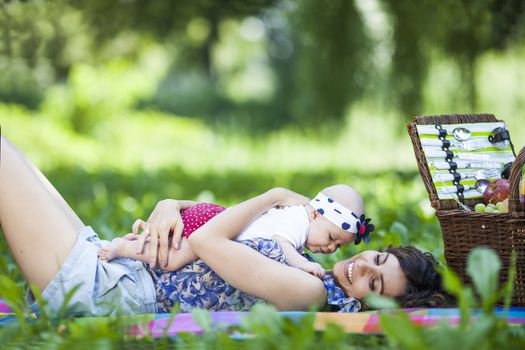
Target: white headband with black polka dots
x,y
336,213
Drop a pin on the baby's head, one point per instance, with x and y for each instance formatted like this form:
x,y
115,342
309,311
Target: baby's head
x,y
337,215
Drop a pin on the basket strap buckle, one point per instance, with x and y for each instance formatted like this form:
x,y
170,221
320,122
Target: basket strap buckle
x,y
446,145
499,135
449,155
460,189
442,132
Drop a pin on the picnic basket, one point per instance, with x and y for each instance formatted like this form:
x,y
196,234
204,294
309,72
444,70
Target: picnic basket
x,y
463,230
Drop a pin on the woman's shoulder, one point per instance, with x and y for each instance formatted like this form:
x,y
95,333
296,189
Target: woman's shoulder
x,y
336,299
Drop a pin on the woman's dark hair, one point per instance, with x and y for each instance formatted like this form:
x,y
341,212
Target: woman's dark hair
x,y
423,281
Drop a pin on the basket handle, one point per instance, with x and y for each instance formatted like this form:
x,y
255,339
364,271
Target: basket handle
x,y
515,176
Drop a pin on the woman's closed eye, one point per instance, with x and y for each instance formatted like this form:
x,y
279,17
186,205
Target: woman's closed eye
x,y
373,278
371,284
378,258
372,281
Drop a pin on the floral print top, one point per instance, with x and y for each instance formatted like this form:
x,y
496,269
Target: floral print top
x,y
198,286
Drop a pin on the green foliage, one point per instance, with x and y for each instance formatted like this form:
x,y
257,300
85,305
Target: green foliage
x,y
486,283
380,302
263,328
486,331
259,64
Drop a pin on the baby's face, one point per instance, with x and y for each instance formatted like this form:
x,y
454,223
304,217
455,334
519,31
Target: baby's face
x,y
325,237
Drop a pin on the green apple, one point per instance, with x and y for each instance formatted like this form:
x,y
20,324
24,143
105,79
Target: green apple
x,y
480,208
489,209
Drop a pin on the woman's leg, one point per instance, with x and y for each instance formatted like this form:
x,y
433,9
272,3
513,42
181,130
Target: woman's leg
x,y
39,226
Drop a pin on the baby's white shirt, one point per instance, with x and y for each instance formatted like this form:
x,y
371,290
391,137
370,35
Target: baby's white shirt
x,y
291,223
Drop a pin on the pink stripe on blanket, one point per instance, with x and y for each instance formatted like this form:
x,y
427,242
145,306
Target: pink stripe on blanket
x,y
184,323
4,308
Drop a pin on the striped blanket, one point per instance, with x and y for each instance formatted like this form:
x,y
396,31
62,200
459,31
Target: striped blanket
x,y
362,322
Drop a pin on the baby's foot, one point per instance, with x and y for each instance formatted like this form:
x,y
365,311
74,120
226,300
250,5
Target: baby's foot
x,y
130,237
115,249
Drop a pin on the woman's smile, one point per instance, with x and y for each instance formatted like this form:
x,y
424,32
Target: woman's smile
x,y
349,268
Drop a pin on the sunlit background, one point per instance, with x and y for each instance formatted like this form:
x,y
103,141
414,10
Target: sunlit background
x,y
123,103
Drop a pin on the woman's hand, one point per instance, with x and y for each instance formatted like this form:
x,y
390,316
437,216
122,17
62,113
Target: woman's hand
x,y
164,221
287,198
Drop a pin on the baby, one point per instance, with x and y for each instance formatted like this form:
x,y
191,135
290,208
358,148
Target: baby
x,y
335,217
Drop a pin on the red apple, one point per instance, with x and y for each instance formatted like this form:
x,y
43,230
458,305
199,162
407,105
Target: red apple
x,y
496,191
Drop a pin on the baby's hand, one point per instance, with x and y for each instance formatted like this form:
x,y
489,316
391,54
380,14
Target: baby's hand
x,y
313,268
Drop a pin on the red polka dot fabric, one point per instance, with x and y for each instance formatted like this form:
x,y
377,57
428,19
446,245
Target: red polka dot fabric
x,y
197,215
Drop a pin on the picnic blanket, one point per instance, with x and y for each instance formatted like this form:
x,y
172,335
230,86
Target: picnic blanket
x,y
361,322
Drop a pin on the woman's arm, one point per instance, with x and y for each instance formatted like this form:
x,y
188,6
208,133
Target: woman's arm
x,y
295,259
285,287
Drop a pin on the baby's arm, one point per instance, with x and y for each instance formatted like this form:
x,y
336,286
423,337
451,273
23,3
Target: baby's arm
x,y
296,259
126,247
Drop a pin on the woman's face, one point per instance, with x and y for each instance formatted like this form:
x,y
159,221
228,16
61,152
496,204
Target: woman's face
x,y
370,272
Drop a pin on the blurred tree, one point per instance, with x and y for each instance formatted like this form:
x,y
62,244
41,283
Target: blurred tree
x,y
41,33
333,63
167,21
321,54
21,43
461,30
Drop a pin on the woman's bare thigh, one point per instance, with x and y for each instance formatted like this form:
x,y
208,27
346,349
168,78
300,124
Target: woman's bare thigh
x,y
39,226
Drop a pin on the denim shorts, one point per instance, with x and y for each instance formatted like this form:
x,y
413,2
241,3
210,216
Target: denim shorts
x,y
122,286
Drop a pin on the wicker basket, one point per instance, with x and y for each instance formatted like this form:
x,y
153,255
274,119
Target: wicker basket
x,y
463,230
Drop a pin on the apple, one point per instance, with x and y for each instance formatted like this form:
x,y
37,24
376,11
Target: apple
x,y
496,191
480,208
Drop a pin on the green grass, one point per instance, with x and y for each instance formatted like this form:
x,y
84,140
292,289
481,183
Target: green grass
x,y
127,160
151,140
